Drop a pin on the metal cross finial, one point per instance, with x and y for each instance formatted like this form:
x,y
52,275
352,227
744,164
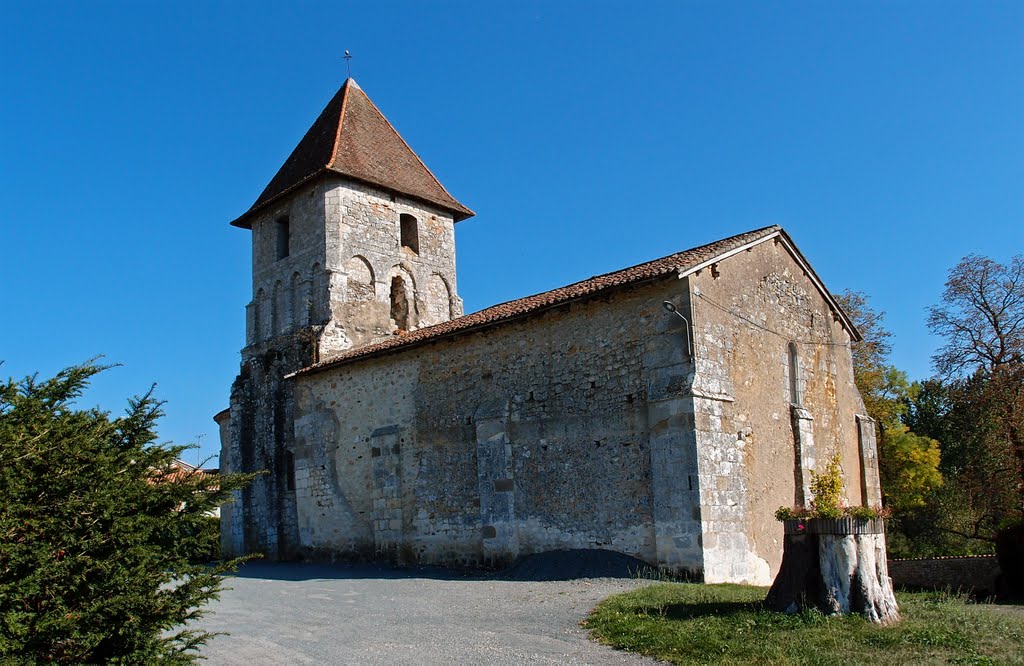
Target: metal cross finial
x,y
348,62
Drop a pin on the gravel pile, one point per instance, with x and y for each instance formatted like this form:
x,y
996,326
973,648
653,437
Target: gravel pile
x,y
573,564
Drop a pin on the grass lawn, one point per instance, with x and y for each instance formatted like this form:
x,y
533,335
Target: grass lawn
x,y
690,623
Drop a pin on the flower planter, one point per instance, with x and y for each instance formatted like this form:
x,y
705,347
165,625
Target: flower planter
x,y
837,565
834,526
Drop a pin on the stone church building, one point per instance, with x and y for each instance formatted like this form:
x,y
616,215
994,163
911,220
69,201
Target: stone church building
x,y
663,411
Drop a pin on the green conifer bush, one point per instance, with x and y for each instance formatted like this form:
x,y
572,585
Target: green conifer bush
x,y
101,546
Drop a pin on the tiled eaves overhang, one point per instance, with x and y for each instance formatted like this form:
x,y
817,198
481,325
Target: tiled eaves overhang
x,y
677,265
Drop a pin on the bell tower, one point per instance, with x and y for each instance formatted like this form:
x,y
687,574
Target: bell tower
x,y
353,241
353,236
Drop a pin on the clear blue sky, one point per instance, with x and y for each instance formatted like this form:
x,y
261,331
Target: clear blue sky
x,y
887,138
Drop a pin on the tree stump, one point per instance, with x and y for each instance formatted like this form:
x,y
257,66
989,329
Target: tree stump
x,y
837,566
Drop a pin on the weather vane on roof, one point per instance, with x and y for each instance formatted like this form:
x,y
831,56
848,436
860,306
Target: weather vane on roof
x,y
348,62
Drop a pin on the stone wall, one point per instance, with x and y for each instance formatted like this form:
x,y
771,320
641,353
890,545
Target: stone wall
x,y
258,436
286,291
774,398
976,574
602,423
331,290
344,251
528,437
365,258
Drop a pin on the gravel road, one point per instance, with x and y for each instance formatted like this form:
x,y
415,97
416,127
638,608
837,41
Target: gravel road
x,y
324,614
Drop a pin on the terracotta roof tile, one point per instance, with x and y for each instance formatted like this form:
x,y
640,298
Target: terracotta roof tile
x,y
177,472
352,138
532,304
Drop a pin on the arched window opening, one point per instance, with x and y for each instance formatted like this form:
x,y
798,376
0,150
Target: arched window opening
x,y
360,279
289,470
282,307
261,316
275,310
438,299
318,299
410,233
283,237
254,319
298,302
399,303
795,394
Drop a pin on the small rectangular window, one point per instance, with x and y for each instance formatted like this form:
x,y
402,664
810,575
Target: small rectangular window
x,y
409,232
283,238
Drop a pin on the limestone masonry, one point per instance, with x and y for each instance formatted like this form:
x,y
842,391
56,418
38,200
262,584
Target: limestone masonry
x,y
591,416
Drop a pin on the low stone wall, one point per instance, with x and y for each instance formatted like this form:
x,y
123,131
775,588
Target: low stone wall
x,y
975,574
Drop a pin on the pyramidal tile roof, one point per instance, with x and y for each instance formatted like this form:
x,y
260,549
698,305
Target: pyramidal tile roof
x,y
352,138
673,264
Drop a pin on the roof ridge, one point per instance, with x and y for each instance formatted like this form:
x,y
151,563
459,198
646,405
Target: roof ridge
x,y
407,146
341,121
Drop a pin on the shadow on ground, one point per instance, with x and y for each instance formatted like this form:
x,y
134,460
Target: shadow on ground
x,y
551,566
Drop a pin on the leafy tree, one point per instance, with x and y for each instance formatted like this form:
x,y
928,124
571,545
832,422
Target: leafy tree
x,y
974,407
928,408
911,471
97,539
908,463
981,318
968,415
877,381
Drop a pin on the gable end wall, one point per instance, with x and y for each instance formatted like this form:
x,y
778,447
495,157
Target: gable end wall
x,y
756,446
